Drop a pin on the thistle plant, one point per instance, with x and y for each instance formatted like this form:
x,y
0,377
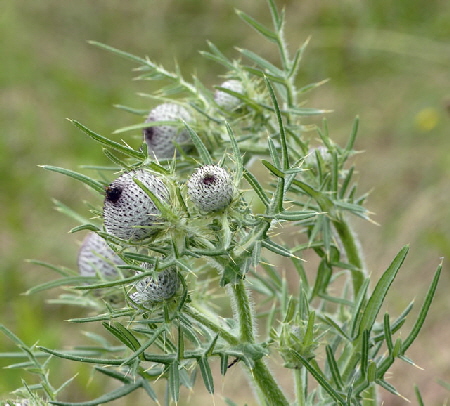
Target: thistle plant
x,y
186,218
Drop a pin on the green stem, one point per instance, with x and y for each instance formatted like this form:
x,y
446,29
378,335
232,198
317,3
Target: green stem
x,y
207,322
270,392
351,247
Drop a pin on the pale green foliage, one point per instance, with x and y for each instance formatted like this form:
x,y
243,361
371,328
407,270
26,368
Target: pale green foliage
x,y
308,322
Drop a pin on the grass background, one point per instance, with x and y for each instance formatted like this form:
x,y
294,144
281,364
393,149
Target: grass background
x,y
388,62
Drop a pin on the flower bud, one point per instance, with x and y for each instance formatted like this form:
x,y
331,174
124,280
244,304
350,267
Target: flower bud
x,y
160,139
225,100
150,290
128,211
210,188
97,258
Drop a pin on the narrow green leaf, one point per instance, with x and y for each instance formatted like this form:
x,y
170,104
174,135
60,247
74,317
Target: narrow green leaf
x,y
388,387
97,186
358,309
116,51
108,397
334,368
276,19
364,362
266,65
269,34
418,396
237,156
376,299
223,364
150,392
160,204
174,380
123,334
320,378
259,190
283,142
145,345
60,270
328,320
108,143
353,134
277,248
69,280
206,373
423,312
112,373
277,172
88,360
114,159
387,333
201,148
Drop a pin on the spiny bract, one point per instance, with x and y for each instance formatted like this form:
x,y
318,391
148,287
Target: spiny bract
x,y
226,100
210,188
128,211
97,258
150,290
160,139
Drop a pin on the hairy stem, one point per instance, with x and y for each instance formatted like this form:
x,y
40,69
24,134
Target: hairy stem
x,y
270,391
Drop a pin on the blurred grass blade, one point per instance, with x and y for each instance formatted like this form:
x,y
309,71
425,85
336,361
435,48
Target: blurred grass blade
x,y
97,186
107,142
108,397
377,298
423,312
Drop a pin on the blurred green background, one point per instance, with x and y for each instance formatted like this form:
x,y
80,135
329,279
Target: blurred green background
x,y
388,62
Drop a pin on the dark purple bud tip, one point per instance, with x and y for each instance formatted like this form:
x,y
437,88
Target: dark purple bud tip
x,y
113,193
209,179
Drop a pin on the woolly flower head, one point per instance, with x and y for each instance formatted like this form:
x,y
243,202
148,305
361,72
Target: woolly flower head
x,y
97,258
160,139
210,188
128,211
154,290
226,100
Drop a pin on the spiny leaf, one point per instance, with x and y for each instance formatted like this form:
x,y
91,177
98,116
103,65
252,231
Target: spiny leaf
x,y
97,186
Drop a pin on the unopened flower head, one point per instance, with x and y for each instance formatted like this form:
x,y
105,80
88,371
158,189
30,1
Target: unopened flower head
x,y
228,101
154,290
210,188
160,139
97,258
128,211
